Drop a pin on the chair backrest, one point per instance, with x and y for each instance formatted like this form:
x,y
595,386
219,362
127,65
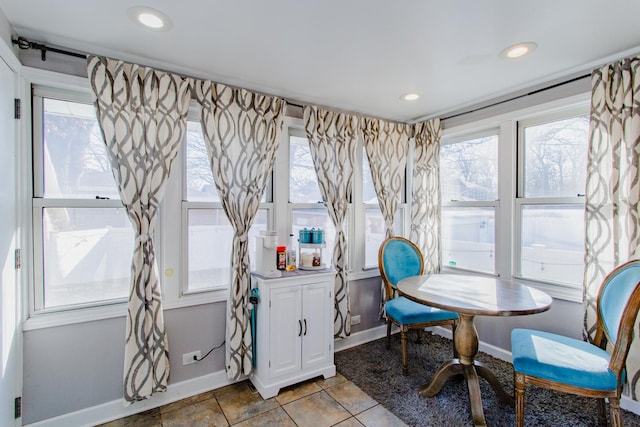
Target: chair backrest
x,y
398,258
617,306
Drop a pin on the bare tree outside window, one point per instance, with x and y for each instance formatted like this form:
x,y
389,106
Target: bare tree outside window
x,y
555,158
550,209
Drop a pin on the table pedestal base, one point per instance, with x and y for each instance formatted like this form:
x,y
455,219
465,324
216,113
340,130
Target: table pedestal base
x,y
466,343
471,372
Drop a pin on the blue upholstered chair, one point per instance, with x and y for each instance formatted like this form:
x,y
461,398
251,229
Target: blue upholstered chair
x,y
574,366
399,258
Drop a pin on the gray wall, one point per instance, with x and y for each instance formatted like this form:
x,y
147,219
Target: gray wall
x,y
5,30
564,318
72,367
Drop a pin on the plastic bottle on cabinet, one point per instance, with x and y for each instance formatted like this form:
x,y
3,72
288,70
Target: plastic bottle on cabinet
x,y
291,254
281,257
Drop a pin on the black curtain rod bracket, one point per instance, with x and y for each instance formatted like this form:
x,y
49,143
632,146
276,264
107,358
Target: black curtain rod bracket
x,y
24,44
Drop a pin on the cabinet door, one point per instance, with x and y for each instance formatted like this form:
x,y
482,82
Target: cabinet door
x,y
286,329
317,336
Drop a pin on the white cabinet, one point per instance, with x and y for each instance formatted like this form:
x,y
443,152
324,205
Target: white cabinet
x,y
294,329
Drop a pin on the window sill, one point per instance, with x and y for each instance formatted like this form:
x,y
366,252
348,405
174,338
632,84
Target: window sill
x,y
366,273
111,311
73,316
566,293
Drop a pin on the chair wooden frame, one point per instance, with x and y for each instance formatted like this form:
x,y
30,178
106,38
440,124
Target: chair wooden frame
x,y
391,291
616,363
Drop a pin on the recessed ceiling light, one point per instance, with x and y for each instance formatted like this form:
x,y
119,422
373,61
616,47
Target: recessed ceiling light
x,y
518,50
410,97
150,18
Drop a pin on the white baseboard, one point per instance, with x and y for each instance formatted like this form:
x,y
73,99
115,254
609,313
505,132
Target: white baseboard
x,y
630,405
362,337
116,409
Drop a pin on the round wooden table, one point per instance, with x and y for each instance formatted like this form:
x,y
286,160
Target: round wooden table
x,y
470,296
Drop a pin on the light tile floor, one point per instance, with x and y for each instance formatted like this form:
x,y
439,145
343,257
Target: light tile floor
x,y
316,403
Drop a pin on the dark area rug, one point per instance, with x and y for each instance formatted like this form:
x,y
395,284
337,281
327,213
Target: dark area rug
x,y
378,372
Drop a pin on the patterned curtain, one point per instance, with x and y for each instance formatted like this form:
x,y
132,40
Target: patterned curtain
x,y
425,207
241,130
612,217
143,116
332,141
387,146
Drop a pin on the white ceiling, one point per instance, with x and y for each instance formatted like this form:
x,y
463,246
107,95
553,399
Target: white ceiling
x,y
355,55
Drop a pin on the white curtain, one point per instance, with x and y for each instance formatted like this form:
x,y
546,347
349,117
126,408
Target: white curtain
x,y
425,195
241,130
612,218
332,141
387,145
143,115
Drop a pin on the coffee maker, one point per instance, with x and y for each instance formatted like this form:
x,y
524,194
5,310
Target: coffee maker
x,y
266,262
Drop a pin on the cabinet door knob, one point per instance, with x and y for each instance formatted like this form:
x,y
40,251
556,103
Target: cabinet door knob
x,y
305,327
299,327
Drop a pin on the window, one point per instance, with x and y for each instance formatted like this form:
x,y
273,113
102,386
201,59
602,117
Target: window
x,y
80,226
209,235
550,203
469,189
374,222
305,201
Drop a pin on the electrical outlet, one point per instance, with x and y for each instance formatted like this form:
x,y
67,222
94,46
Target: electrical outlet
x,y
188,358
355,319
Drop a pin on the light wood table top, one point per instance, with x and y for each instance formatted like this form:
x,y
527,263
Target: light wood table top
x,y
474,295
470,296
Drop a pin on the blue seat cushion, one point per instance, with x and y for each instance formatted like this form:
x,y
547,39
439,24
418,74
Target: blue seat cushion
x,y
407,312
561,359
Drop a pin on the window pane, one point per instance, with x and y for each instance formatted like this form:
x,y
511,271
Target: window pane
x,y
469,169
315,218
468,238
200,185
210,237
552,244
303,181
76,164
368,190
87,255
375,233
555,162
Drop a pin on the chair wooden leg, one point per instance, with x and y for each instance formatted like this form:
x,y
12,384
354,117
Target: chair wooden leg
x,y
519,386
419,336
602,413
388,334
403,341
614,409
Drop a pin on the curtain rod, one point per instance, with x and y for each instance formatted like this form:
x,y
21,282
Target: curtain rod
x,y
23,43
513,98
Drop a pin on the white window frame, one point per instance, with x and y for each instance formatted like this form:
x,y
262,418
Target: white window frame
x,y
495,204
40,203
521,200
507,176
354,220
186,296
168,237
